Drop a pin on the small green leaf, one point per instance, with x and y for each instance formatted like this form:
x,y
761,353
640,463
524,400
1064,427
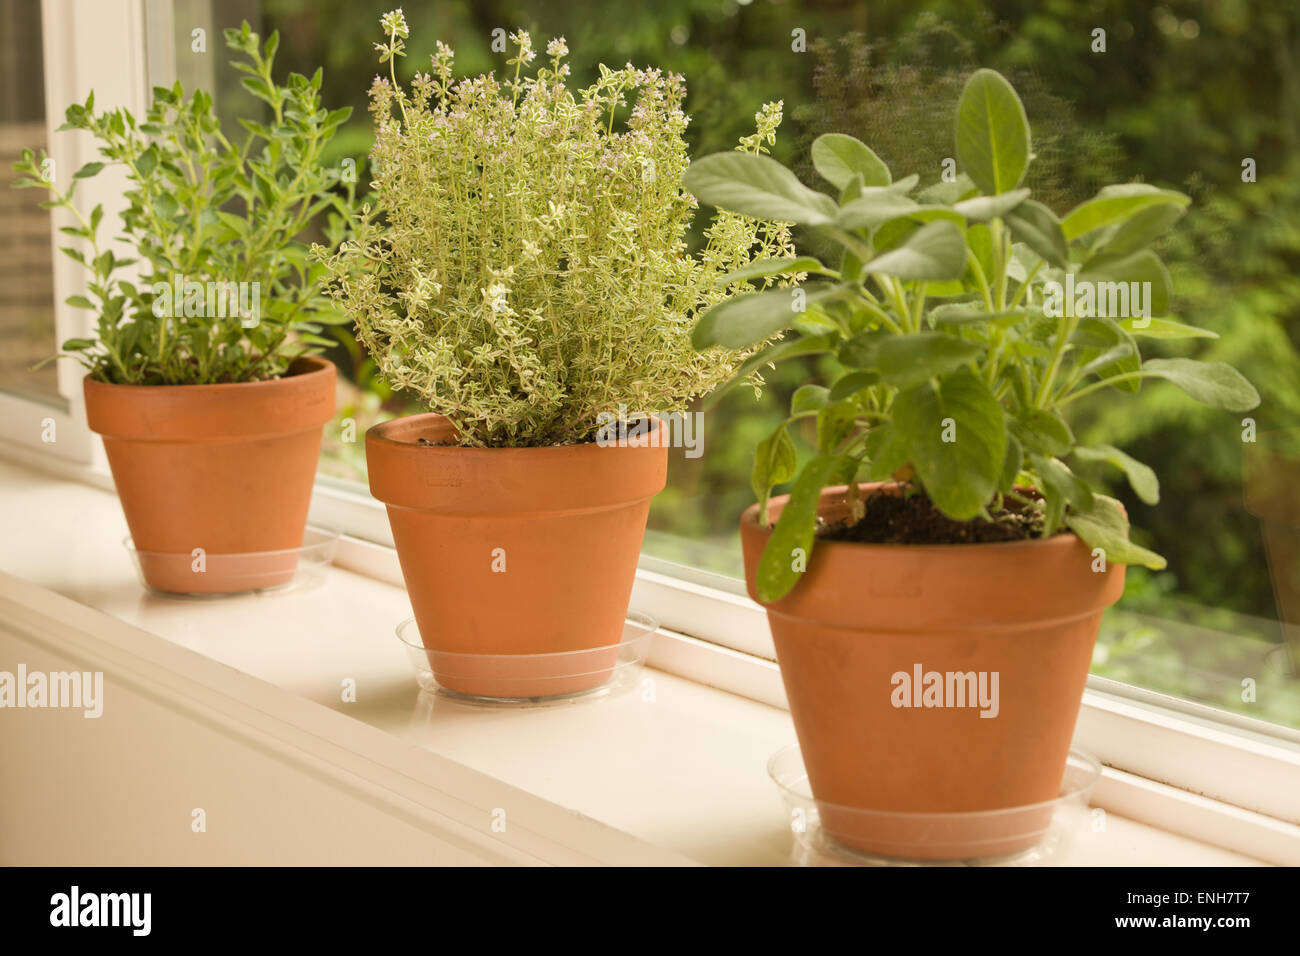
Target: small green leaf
x,y
1210,383
984,208
791,543
839,159
761,268
874,207
775,462
1115,204
90,169
1165,329
1044,430
1141,478
852,383
1104,526
936,251
758,186
907,360
1037,227
992,133
80,302
956,438
1059,487
835,422
745,320
807,398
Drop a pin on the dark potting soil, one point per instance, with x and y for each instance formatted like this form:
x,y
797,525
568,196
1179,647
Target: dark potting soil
x,y
912,519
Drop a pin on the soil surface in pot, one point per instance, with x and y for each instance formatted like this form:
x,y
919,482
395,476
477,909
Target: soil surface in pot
x,y
912,519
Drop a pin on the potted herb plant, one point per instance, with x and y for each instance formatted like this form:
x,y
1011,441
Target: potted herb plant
x,y
523,270
203,376
935,578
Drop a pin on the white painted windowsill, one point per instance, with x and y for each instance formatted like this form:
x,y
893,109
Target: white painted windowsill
x,y
672,772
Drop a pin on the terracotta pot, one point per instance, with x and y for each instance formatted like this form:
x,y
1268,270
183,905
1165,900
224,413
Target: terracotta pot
x,y
515,551
1270,479
227,469
864,614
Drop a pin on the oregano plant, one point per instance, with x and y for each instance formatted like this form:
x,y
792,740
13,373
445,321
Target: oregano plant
x,y
966,320
222,288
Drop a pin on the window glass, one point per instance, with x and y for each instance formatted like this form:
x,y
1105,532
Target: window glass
x,y
26,256
1201,98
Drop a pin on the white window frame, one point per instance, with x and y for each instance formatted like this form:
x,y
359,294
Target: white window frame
x,y
712,632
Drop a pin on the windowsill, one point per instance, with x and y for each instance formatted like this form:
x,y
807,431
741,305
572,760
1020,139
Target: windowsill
x,y
683,771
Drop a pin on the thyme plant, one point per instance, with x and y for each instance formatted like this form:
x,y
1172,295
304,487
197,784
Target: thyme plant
x,y
523,265
225,290
966,322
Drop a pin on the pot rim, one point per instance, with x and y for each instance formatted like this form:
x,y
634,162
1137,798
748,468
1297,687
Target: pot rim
x,y
379,433
320,366
749,518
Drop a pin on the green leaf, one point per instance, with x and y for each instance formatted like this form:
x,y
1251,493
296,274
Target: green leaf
x,y
1059,487
1141,478
1140,267
1037,227
775,462
1145,227
1098,337
792,539
839,158
992,133
874,207
956,438
758,186
790,348
852,383
886,451
835,421
1115,204
90,169
983,208
1044,430
859,351
936,251
785,265
745,320
808,397
80,302
1165,329
908,360
1011,465
1211,383
1105,526
77,345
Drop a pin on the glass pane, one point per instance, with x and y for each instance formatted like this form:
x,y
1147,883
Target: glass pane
x,y
26,271
1211,627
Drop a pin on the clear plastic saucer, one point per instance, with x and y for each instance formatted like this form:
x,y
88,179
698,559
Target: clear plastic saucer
x,y
530,680
1031,835
201,574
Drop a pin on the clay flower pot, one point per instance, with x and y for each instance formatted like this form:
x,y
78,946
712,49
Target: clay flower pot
x,y
515,551
205,472
859,636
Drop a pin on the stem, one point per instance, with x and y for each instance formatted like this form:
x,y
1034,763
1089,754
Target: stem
x,y
1095,386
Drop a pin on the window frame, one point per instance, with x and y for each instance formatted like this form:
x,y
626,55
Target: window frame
x,y
712,632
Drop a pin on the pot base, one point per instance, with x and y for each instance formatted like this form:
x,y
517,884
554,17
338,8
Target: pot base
x,y
529,680
186,575
1033,835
